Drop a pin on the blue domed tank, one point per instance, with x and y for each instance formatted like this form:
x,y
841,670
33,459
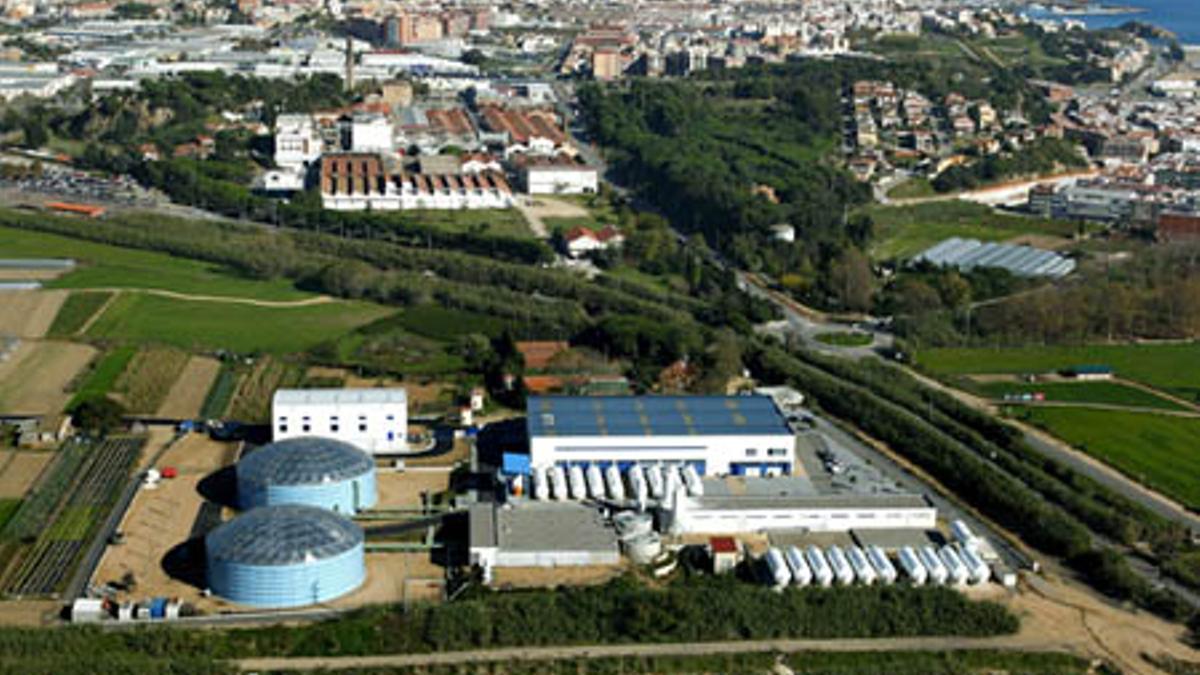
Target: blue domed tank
x,y
285,556
309,470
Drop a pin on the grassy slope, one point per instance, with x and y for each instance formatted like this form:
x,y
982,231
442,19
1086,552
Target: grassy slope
x,y
903,231
1170,367
1161,451
104,374
1080,392
105,266
499,222
241,328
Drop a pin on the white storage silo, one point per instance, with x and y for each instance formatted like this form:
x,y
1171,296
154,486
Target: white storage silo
x,y
691,478
595,482
883,566
913,569
778,568
958,573
637,483
576,482
801,574
822,573
842,572
654,480
541,484
612,480
558,483
977,569
933,564
863,570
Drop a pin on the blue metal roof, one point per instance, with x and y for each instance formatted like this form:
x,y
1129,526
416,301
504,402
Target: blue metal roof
x,y
654,416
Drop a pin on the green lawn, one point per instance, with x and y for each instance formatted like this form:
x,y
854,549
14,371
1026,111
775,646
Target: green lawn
x,y
1169,367
1113,393
241,328
75,312
104,374
904,231
103,266
844,339
1161,451
912,189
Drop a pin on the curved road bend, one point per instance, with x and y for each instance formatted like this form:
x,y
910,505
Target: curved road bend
x,y
518,654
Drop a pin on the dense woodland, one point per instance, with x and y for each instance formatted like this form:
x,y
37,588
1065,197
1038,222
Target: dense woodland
x,y
1042,157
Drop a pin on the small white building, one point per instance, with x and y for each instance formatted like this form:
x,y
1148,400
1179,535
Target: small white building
x,y
374,420
297,144
371,133
559,178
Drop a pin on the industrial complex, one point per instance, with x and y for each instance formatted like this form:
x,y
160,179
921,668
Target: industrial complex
x,y
593,486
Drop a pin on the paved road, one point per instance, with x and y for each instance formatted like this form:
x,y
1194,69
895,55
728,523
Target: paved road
x,y
525,654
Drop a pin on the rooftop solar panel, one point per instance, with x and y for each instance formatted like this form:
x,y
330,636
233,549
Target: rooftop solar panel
x,y
654,416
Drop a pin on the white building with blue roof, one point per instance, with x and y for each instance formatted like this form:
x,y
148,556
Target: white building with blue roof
x,y
719,435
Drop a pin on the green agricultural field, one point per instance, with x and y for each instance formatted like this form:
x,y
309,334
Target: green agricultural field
x,y
440,323
216,402
1107,393
8,508
103,266
498,222
1168,367
904,231
104,374
190,324
1160,451
76,310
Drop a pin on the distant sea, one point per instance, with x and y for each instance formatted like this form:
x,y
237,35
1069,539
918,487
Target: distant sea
x,y
1181,17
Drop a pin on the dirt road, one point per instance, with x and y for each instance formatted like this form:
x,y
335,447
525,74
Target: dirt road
x,y
305,302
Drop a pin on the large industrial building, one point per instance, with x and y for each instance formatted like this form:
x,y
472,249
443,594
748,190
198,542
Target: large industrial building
x,y
285,556
738,435
373,420
315,471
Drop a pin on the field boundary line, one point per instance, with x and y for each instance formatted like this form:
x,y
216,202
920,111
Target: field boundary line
x,y
87,325
228,299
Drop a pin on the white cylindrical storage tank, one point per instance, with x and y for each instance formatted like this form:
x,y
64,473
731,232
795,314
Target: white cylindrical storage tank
x,y
541,484
842,572
558,483
954,566
630,524
961,532
863,570
778,568
822,574
883,566
637,483
913,569
643,548
671,481
654,480
285,556
595,482
977,569
691,478
308,470
933,564
801,574
577,482
612,480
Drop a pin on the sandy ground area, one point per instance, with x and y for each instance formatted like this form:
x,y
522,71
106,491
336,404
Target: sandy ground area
x,y
159,519
19,469
186,396
1091,626
30,274
545,207
1042,241
34,379
403,490
28,314
397,578
28,612
549,577
461,452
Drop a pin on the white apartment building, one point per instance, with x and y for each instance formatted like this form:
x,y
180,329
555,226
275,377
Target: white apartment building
x,y
297,144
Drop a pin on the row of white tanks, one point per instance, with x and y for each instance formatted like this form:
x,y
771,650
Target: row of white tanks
x,y
957,564
648,481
